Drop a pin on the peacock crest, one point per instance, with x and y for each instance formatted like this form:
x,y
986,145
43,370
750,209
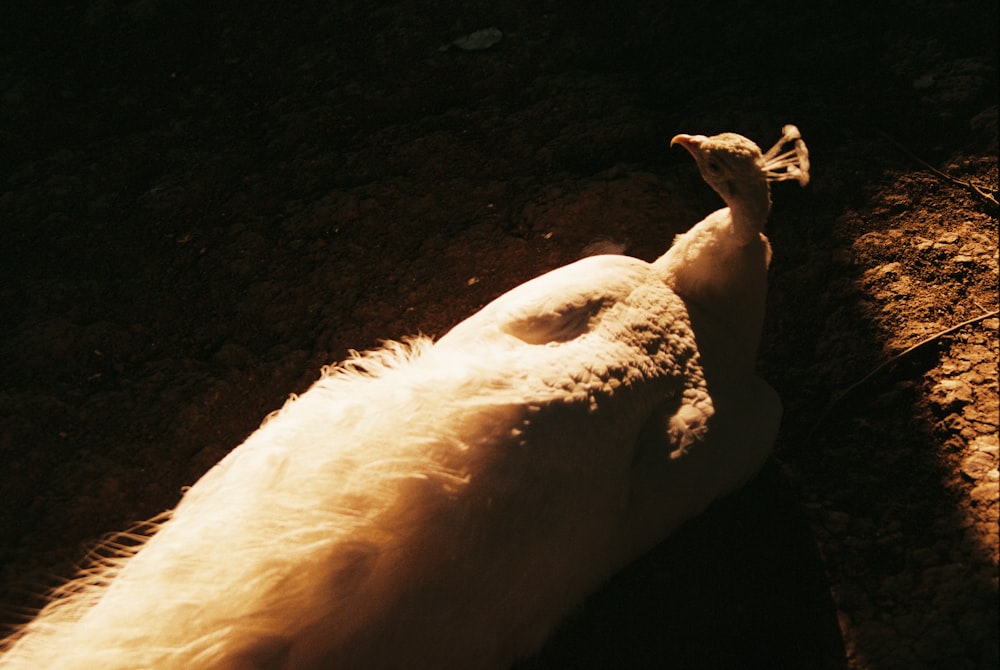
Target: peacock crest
x,y
793,163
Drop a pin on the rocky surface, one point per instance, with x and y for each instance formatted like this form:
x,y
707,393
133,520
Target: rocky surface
x,y
202,203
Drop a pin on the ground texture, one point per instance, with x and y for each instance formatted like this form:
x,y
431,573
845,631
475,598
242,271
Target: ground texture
x,y
203,202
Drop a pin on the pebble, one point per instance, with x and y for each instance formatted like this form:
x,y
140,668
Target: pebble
x,y
885,270
989,444
986,493
948,394
973,249
975,466
976,415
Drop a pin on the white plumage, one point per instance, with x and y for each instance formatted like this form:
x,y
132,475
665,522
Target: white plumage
x,y
442,505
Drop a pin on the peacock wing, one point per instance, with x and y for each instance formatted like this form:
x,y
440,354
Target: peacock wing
x,y
558,306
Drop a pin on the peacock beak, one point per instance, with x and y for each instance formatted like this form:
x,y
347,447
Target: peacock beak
x,y
690,142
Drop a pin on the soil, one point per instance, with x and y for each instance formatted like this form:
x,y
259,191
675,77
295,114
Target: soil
x,y
204,202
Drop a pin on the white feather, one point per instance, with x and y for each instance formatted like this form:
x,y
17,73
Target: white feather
x,y
442,505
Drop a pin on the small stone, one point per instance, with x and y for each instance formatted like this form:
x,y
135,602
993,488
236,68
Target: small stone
x,y
975,466
888,269
974,414
989,444
948,394
987,493
952,366
973,249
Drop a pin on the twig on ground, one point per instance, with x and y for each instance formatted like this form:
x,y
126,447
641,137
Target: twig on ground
x,y
864,380
988,197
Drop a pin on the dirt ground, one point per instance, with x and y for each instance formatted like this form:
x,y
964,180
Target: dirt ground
x,y
203,202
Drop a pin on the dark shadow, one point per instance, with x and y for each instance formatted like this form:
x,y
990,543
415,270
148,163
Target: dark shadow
x,y
741,586
878,470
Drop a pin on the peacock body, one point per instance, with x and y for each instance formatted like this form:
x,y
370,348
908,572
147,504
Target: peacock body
x,y
444,504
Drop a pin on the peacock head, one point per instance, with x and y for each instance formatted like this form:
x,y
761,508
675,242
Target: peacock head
x,y
735,167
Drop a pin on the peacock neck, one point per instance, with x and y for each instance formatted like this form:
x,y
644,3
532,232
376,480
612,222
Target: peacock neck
x,y
749,211
720,267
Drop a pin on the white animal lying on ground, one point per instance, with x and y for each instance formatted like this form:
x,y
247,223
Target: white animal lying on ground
x,y
443,505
